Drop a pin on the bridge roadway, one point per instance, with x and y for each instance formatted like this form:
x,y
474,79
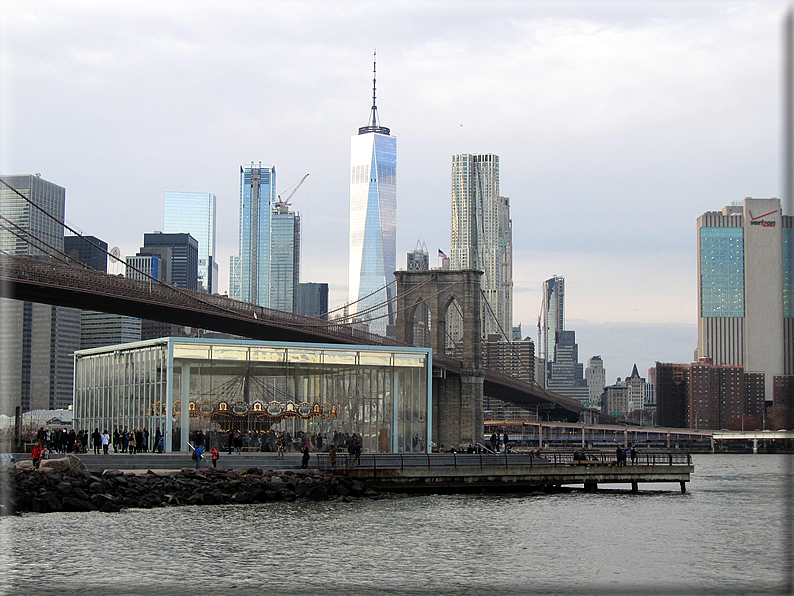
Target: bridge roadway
x,y
51,282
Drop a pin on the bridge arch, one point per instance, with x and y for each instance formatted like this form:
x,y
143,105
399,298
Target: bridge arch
x,y
438,289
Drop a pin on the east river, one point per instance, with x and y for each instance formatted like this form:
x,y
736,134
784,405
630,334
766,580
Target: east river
x,y
729,534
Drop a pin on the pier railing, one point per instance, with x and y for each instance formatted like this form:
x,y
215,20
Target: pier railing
x,y
399,461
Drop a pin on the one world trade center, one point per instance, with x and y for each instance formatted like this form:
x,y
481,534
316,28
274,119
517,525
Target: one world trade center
x,y
373,223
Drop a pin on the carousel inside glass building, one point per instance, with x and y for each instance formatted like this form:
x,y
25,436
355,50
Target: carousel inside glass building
x,y
252,395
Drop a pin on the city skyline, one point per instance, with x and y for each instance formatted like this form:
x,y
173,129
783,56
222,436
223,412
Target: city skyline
x,y
579,90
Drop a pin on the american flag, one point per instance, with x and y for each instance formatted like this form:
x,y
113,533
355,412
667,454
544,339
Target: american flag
x,y
441,254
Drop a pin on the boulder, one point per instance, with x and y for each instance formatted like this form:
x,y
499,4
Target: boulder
x,y
76,463
110,507
61,464
73,504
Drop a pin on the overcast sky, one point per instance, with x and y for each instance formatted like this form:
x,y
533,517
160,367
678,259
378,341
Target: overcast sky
x,y
617,124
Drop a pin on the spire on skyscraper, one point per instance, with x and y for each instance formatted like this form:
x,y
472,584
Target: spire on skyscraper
x,y
374,125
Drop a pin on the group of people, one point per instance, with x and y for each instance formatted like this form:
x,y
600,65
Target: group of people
x,y
122,441
496,443
623,453
60,440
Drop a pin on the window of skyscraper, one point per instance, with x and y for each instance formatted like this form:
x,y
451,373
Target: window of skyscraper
x,y
722,272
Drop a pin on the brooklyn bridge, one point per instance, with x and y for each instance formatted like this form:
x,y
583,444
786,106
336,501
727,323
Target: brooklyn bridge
x,y
458,383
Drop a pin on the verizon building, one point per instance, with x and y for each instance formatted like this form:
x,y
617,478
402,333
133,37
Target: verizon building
x,y
746,289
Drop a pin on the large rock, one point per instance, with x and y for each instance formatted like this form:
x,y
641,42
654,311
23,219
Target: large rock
x,y
61,464
72,504
76,463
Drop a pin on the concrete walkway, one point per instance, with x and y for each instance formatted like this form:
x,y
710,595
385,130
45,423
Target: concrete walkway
x,y
177,461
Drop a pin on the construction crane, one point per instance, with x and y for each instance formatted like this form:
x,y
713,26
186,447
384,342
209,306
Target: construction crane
x,y
285,202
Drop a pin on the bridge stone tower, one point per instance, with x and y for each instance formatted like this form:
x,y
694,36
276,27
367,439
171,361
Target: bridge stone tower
x,y
457,400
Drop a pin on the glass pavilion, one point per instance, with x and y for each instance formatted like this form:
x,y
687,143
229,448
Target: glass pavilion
x,y
212,387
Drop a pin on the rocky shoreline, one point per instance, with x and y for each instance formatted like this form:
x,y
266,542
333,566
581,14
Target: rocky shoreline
x,y
66,484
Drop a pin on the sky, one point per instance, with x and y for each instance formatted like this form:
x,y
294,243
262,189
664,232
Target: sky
x,y
617,124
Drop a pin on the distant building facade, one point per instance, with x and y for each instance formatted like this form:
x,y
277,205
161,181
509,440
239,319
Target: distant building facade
x,y
595,374
195,214
313,300
285,241
702,395
88,250
566,373
183,266
516,359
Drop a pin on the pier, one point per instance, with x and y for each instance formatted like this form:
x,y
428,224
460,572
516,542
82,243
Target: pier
x,y
464,472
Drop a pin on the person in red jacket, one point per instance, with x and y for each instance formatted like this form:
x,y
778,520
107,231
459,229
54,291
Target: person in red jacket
x,y
37,454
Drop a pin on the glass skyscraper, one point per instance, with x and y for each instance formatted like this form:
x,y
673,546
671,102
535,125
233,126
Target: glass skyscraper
x,y
257,197
285,234
482,236
373,223
195,213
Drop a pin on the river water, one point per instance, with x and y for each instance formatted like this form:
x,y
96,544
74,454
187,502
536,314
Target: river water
x,y
730,533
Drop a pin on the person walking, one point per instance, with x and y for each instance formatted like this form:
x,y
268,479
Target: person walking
x,y
198,454
305,458
332,456
215,455
105,438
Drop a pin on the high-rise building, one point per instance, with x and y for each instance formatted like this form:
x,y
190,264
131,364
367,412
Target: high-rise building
x,y
257,198
313,300
566,373
552,315
88,250
285,236
516,358
183,266
596,376
195,213
38,340
746,289
482,236
373,223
